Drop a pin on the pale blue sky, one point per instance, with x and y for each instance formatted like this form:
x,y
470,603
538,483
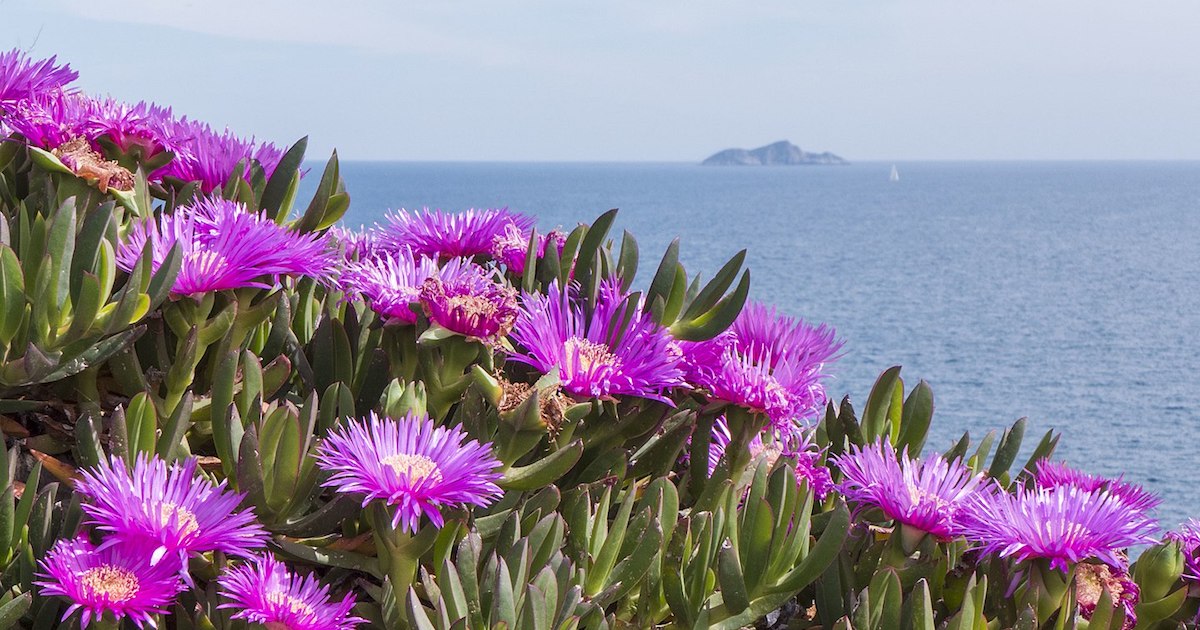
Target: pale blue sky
x,y
651,80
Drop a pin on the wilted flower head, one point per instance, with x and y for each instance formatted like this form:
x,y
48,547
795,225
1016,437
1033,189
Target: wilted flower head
x,y
605,355
391,282
765,362
1052,474
118,580
450,235
471,301
206,156
511,247
1091,580
412,465
179,512
927,495
263,591
23,78
1064,525
224,246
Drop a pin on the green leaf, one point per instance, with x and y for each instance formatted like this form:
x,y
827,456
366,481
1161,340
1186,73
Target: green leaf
x,y
142,421
718,318
660,286
916,418
729,575
12,294
1006,453
544,471
875,414
712,292
584,267
922,607
281,179
11,612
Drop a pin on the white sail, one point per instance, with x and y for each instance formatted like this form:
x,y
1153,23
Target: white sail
x,y
895,176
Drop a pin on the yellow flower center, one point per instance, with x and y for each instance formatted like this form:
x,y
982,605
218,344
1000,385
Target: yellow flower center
x,y
183,517
294,605
590,353
414,467
472,306
115,584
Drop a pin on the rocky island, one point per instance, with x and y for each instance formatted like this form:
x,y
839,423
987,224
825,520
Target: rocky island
x,y
777,153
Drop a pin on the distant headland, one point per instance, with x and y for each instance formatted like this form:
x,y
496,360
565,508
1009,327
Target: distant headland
x,y
776,153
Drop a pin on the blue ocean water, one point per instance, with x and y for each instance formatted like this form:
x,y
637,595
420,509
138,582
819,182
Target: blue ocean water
x,y
1064,292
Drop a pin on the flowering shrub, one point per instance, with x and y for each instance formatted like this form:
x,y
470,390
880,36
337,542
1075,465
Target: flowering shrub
x,y
222,410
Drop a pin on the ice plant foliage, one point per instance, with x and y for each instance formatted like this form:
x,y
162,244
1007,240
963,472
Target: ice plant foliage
x,y
1188,538
927,495
117,581
617,351
450,235
263,591
412,465
1064,525
471,301
224,246
23,78
179,512
767,363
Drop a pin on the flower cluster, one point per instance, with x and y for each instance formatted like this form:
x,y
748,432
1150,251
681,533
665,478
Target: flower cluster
x,y
767,363
224,246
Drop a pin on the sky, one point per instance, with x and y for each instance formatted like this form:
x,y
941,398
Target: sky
x,y
650,80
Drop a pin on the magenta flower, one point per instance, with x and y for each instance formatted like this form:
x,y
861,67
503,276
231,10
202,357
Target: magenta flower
x,y
169,505
1064,525
356,244
1091,580
23,79
796,445
767,363
411,465
927,495
596,356
446,235
53,119
512,246
263,591
470,301
226,247
206,156
1056,474
391,283
142,126
117,579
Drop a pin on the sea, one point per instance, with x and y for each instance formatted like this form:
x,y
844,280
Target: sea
x,y
1067,293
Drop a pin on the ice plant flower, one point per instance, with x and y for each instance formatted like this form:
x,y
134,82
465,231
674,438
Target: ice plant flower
x,y
51,120
796,445
180,512
765,362
596,356
391,282
925,495
450,235
1051,474
263,591
117,580
224,246
471,301
1064,525
204,155
141,126
511,247
355,244
410,464
22,78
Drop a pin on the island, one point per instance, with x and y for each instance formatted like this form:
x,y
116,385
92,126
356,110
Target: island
x,y
776,153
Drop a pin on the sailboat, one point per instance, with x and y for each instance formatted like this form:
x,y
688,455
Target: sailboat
x,y
895,176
